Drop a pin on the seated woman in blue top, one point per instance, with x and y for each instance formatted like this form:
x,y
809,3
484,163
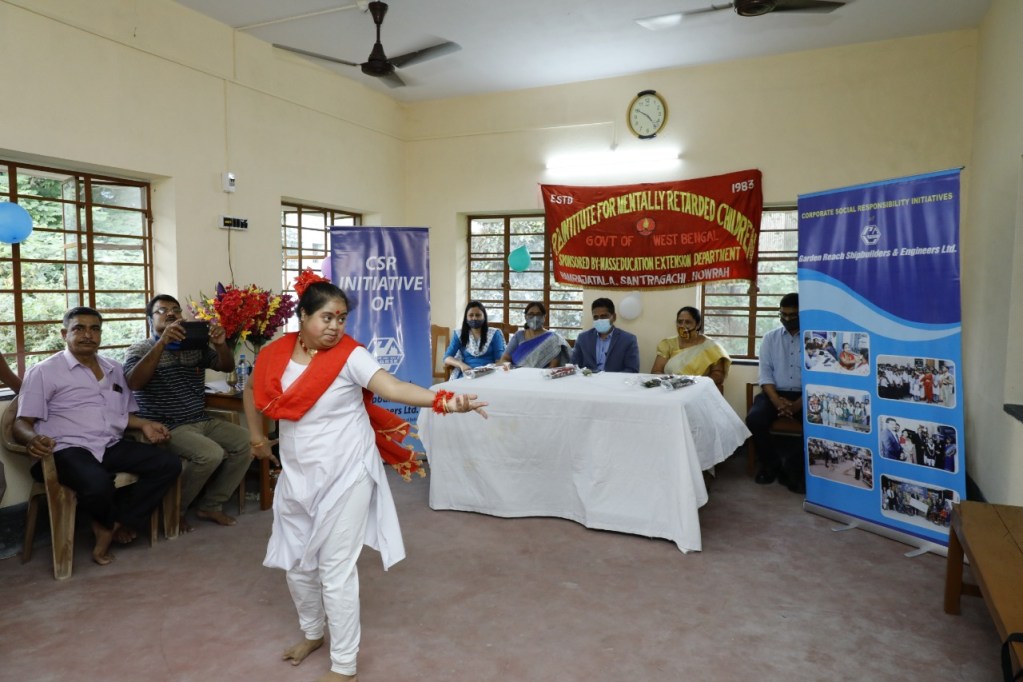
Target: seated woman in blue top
x,y
535,346
477,345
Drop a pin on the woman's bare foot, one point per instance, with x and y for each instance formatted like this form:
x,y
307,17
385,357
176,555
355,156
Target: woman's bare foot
x,y
184,526
216,516
123,535
297,653
104,537
337,677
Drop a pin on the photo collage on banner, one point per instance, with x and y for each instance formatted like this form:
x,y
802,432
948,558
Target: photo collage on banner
x,y
880,315
385,272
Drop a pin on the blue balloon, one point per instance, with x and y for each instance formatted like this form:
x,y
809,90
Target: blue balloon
x,y
15,223
519,259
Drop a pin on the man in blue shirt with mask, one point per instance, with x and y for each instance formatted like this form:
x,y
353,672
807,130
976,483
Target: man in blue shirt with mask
x,y
781,383
605,348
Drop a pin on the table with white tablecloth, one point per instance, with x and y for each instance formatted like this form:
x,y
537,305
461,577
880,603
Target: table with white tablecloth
x,y
601,450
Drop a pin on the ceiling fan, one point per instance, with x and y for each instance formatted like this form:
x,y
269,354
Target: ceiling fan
x,y
378,65
744,8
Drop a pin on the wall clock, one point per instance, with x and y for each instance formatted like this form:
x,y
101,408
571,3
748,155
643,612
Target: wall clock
x,y
647,114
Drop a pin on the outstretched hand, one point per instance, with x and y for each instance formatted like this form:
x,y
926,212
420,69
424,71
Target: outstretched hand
x,y
466,403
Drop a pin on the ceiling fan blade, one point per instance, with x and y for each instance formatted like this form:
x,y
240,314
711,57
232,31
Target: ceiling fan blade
x,y
704,10
809,6
439,50
392,80
661,21
314,55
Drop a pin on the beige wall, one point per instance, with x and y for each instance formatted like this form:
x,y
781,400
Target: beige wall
x,y
155,91
810,121
992,347
152,90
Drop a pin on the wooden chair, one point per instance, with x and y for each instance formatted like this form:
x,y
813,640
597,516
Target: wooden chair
x,y
506,327
782,426
440,337
62,503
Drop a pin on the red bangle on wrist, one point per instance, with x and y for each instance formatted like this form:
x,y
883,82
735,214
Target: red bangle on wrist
x,y
440,401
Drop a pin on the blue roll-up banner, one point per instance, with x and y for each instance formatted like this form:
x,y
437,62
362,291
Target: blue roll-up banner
x,y
879,308
385,271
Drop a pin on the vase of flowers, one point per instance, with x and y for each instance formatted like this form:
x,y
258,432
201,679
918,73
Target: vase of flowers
x,y
249,315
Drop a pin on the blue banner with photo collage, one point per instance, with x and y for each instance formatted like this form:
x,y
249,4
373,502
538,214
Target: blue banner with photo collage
x,y
879,308
385,271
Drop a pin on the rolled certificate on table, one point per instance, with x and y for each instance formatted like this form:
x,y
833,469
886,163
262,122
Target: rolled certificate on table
x,y
676,382
558,372
477,372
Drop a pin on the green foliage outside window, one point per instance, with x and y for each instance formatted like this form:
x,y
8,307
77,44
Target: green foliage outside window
x,y
90,245
738,314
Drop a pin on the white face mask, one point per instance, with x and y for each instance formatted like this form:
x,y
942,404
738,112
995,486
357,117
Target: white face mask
x,y
534,322
602,326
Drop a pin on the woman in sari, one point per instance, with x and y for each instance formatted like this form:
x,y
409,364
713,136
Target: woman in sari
x,y
477,345
690,352
535,346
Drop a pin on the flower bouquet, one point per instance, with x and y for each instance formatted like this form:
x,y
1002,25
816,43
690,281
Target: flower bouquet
x,y
249,314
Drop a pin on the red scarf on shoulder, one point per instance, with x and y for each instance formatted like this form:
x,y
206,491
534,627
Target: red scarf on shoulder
x,y
325,366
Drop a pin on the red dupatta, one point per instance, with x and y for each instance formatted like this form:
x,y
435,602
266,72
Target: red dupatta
x,y
325,366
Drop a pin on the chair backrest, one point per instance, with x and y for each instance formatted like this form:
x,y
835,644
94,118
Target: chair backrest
x,y
506,328
440,337
7,426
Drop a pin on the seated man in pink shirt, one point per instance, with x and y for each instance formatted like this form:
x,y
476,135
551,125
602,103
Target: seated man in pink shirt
x,y
75,406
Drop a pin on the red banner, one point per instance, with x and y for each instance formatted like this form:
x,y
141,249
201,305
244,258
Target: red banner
x,y
651,235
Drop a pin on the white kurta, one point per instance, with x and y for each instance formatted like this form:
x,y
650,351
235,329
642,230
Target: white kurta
x,y
322,455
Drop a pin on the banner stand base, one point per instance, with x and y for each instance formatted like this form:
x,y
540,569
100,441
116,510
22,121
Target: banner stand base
x,y
922,546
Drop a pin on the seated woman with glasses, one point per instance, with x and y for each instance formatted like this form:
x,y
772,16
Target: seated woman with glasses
x,y
535,346
477,344
690,352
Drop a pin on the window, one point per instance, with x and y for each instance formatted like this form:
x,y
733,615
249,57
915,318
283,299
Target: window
x,y
305,241
738,314
91,245
505,292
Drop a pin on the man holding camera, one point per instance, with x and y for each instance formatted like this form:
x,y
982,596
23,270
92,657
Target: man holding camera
x,y
168,377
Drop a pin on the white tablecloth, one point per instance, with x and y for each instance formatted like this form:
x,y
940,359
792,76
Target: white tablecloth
x,y
600,450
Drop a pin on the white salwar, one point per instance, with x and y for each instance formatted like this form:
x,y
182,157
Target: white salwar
x,y
331,498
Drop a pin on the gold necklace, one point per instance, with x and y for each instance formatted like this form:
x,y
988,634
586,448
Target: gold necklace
x,y
310,353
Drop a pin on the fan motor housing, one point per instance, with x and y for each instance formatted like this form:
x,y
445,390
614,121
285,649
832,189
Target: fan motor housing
x,y
754,8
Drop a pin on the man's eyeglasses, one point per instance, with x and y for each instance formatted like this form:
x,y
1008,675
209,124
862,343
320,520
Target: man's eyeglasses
x,y
794,316
164,311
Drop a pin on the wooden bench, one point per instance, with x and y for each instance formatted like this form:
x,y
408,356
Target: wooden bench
x,y
991,536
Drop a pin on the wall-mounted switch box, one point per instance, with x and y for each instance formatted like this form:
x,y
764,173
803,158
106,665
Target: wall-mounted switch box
x,y
230,223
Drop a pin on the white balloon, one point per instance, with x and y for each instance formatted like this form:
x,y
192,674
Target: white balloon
x,y
631,307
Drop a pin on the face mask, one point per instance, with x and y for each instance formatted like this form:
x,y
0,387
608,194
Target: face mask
x,y
685,332
534,322
602,326
791,325
475,324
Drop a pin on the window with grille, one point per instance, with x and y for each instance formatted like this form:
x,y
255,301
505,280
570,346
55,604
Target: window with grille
x,y
738,314
504,291
305,241
91,245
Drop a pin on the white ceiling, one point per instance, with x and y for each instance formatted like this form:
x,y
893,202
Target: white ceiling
x,y
517,44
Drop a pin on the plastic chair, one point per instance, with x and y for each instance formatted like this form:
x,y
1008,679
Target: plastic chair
x,y
62,504
782,426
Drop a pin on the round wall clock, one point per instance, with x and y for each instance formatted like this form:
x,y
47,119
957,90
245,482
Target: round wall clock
x,y
647,114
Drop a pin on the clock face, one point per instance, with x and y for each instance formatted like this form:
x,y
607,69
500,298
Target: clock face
x,y
647,114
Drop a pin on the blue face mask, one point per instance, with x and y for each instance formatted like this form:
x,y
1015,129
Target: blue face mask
x,y
475,324
602,326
